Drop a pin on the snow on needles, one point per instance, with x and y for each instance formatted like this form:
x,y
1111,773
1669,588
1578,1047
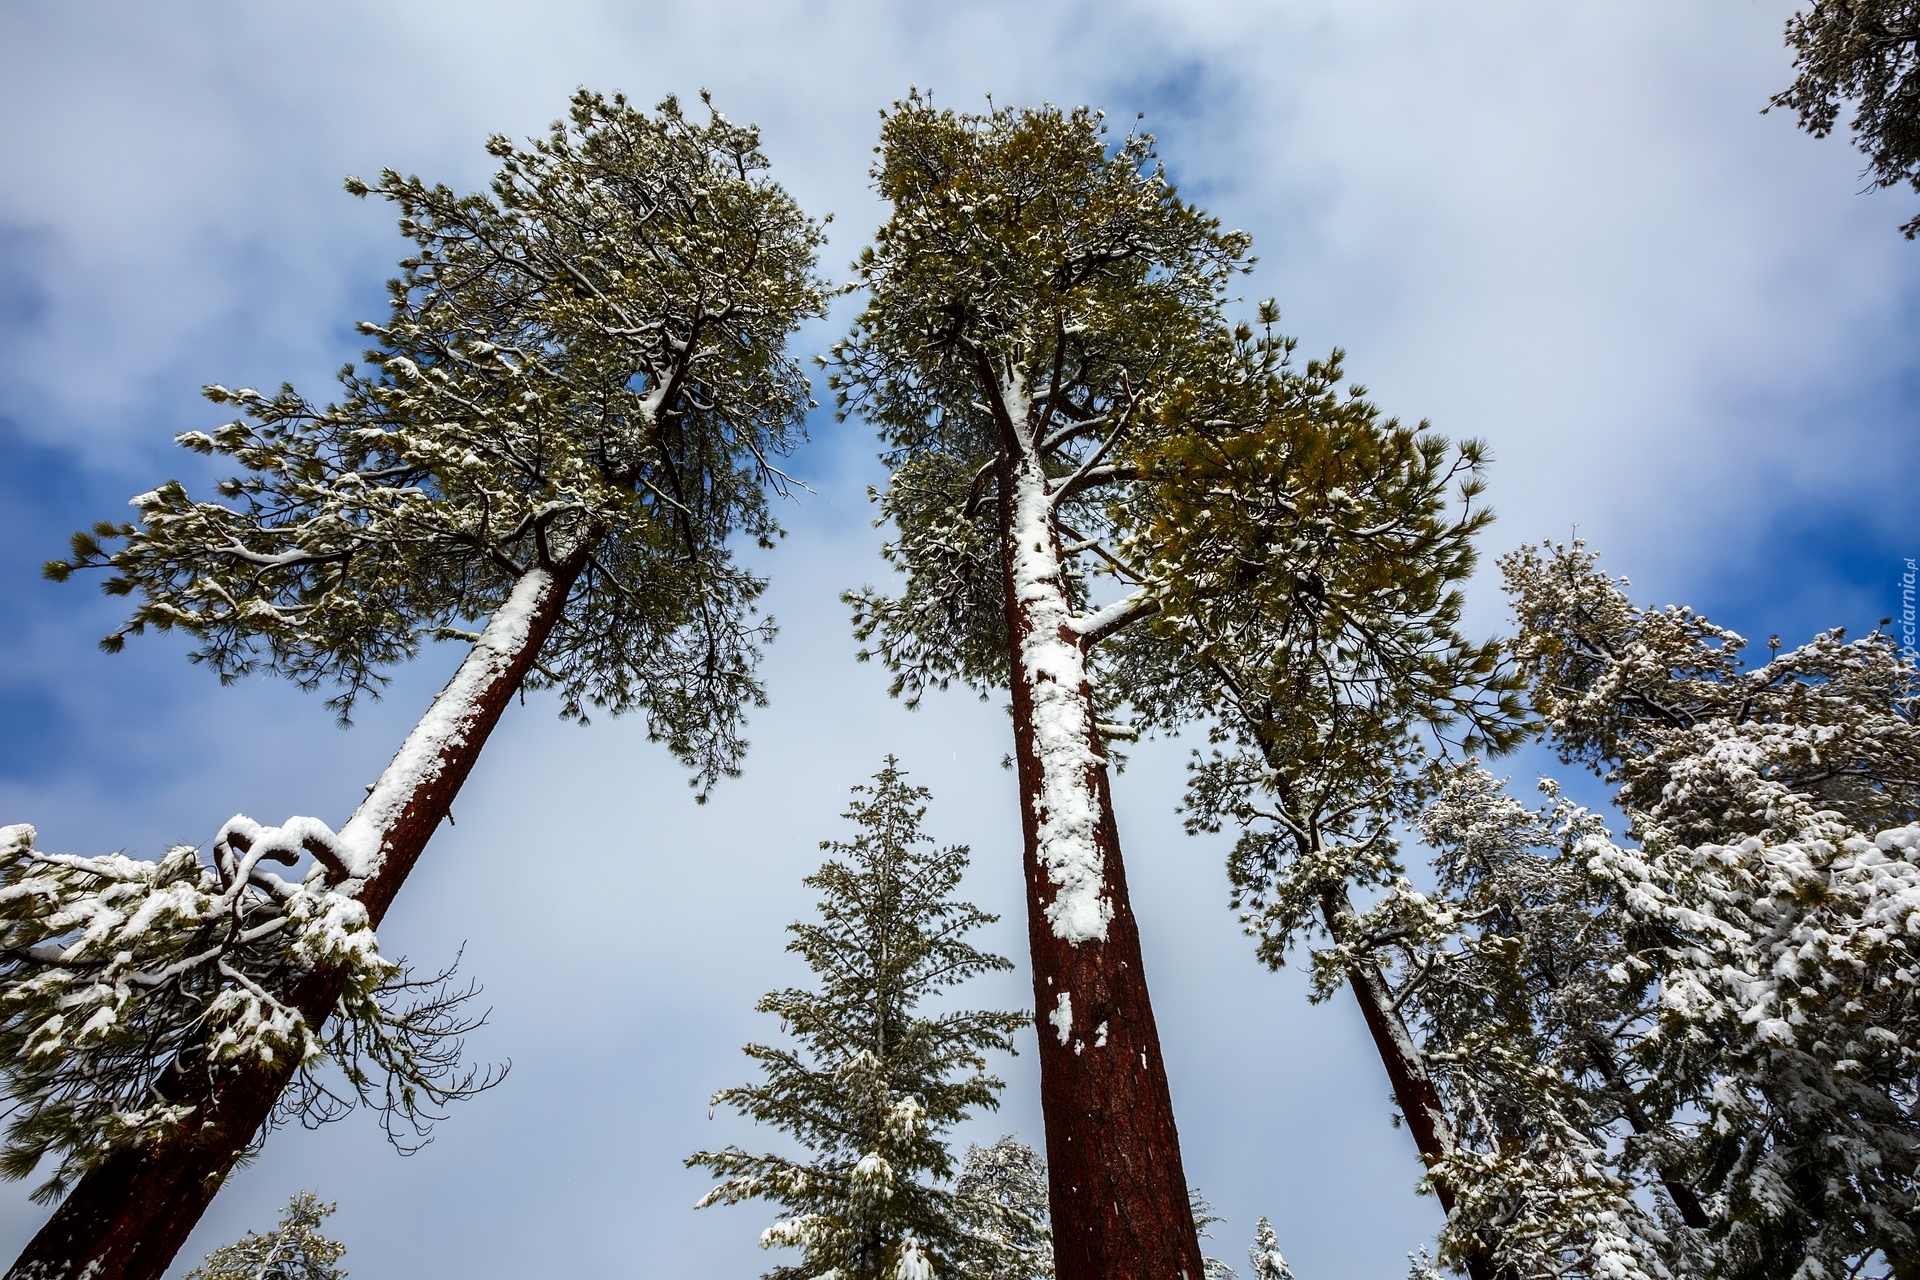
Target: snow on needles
x,y
1054,671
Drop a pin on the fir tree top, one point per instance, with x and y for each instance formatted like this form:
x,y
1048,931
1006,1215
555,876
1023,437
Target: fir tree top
x,y
873,1083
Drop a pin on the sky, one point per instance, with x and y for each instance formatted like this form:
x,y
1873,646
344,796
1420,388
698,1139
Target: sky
x,y
1686,332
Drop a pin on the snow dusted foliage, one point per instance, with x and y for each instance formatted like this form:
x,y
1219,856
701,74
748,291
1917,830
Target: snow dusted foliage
x,y
583,371
1203,1219
294,1250
116,973
1516,978
874,1084
1788,975
1263,1256
1863,56
1001,1199
1741,981
1307,555
1703,747
1037,295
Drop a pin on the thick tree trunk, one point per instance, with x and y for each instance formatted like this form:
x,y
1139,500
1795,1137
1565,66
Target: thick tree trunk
x,y
1116,1188
127,1218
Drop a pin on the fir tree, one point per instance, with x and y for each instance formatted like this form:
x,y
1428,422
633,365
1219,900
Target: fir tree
x,y
1263,1256
1773,808
874,1083
1715,1024
294,1250
1515,976
1001,1196
1867,53
570,412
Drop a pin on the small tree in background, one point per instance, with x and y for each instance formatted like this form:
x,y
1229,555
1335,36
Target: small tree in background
x,y
294,1250
1263,1256
1001,1195
1864,52
567,418
873,1085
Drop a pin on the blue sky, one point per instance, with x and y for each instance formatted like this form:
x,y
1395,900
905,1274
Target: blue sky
x,y
1566,229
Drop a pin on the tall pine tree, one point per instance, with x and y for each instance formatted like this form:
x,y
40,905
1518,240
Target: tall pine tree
x,y
570,413
875,1082
1036,301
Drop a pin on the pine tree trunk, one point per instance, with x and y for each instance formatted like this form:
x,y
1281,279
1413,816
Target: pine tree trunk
x,y
1413,1087
1117,1191
128,1217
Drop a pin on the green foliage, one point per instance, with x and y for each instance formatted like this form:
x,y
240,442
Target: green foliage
x,y
1027,255
294,1250
1864,52
585,365
873,1085
1307,555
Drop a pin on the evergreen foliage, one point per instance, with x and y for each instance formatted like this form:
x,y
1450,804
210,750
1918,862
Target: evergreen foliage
x,y
294,1250
1263,1256
587,363
1694,1055
1310,566
873,1084
570,414
1867,53
1023,249
1001,1197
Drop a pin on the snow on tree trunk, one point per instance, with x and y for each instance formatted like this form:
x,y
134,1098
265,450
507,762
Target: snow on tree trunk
x,y
1117,1190
128,1217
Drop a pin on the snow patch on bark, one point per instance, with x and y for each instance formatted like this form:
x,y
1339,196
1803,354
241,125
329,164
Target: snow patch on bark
x,y
1062,1016
444,727
1054,671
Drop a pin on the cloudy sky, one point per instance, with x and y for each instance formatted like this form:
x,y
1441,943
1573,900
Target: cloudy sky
x,y
1565,228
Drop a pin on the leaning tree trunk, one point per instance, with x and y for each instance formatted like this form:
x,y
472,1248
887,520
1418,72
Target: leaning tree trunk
x,y
1116,1188
1413,1087
127,1217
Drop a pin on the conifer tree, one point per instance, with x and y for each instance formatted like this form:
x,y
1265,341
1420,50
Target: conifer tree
x,y
294,1250
1001,1195
569,415
874,1082
1770,900
1693,1056
1308,564
1036,301
1263,1256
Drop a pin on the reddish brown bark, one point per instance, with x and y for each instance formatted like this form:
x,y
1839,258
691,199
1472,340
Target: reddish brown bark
x,y
128,1217
1413,1087
1116,1188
